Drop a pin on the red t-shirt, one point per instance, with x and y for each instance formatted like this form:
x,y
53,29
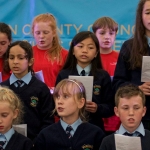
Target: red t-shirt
x,y
5,76
109,62
50,70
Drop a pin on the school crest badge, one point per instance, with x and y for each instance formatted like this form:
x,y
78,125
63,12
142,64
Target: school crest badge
x,y
87,147
97,89
34,101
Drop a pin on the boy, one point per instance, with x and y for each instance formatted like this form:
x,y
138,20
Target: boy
x,y
105,29
130,108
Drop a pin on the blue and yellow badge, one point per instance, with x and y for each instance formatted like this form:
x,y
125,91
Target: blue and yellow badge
x,y
34,101
87,147
96,89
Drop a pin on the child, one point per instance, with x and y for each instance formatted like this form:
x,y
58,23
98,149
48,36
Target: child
x,y
128,69
48,53
5,40
130,108
33,92
105,29
69,97
10,113
84,55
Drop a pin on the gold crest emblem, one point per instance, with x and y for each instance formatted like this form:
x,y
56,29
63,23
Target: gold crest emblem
x,y
87,147
97,89
34,101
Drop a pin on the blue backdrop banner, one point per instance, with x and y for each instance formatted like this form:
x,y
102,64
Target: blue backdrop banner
x,y
72,16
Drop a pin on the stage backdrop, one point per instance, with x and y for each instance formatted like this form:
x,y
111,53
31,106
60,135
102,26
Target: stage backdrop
x,y
72,16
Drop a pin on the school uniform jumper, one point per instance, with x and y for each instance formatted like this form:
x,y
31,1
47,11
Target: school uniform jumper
x,y
19,142
124,75
38,105
108,142
54,137
102,95
50,69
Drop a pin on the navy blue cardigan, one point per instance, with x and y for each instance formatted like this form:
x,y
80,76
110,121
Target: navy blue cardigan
x,y
38,105
55,138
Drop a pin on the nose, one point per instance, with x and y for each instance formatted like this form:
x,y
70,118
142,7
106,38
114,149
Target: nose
x,y
131,112
41,35
15,60
84,49
107,35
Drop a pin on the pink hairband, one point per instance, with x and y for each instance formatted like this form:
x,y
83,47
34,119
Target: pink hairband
x,y
76,84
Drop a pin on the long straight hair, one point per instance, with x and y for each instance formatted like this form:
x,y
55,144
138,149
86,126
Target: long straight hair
x,y
71,61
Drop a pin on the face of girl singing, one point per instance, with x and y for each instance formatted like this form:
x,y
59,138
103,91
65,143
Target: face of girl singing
x,y
146,17
7,115
4,42
43,35
18,61
85,52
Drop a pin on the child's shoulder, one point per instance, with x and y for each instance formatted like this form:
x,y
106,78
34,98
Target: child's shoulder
x,y
64,51
21,139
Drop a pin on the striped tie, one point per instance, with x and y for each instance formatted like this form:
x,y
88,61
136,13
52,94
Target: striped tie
x,y
83,72
68,130
1,144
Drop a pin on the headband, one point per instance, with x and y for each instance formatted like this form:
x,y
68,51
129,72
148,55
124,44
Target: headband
x,y
76,84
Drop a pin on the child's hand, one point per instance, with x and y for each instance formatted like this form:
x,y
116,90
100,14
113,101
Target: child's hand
x,y
91,106
145,87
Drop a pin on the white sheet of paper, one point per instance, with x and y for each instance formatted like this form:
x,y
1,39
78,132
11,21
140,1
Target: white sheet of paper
x,y
127,143
87,81
145,74
39,75
0,77
21,128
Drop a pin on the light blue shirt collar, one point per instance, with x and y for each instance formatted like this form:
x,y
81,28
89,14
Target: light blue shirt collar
x,y
26,79
140,129
74,125
7,136
87,69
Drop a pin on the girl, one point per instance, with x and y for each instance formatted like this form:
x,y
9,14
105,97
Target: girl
x,y
128,69
48,53
84,55
33,92
5,40
105,29
11,113
69,97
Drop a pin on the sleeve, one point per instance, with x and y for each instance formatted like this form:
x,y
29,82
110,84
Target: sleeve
x,y
46,107
105,100
28,145
103,145
98,139
122,74
40,143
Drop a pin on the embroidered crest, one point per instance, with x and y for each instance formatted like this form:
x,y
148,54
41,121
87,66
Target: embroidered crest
x,y
87,147
34,101
97,89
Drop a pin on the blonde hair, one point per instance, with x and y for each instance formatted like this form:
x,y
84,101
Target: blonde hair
x,y
104,22
7,95
77,90
54,51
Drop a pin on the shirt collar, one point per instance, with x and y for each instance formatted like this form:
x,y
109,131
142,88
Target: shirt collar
x,y
74,125
87,69
140,129
25,79
8,134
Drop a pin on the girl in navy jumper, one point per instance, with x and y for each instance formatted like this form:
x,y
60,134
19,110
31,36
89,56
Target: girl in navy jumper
x,y
128,69
84,55
71,132
33,92
11,113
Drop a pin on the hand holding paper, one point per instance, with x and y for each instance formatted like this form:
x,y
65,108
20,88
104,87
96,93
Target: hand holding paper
x,y
91,106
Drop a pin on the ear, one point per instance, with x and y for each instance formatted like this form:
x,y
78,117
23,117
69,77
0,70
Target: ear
x,y
16,112
144,111
81,103
31,61
116,111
